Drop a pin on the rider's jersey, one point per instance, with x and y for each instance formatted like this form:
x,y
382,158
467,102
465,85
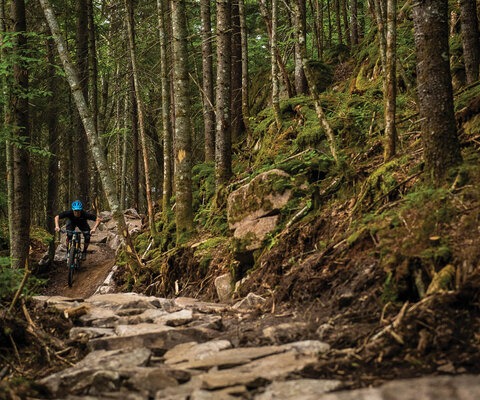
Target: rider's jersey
x,y
84,216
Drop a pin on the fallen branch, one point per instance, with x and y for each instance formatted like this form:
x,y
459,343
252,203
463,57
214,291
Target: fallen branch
x,y
20,288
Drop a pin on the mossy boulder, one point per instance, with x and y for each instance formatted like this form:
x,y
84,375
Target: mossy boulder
x,y
253,210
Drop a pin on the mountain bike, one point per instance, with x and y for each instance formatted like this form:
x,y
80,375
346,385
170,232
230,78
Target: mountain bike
x,y
74,253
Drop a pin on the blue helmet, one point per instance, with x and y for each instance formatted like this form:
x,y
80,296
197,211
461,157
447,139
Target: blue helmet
x,y
77,205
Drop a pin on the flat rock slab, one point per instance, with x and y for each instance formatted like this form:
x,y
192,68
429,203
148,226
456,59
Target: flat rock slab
x,y
82,374
230,357
128,300
194,351
461,387
270,368
304,389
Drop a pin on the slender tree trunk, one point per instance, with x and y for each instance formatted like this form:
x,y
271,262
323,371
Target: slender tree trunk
x,y
183,140
133,111
273,51
236,97
123,180
313,90
88,122
300,18
80,155
53,147
391,81
141,117
382,40
244,45
338,21
207,72
348,37
223,139
93,92
6,119
470,39
21,161
435,93
354,31
166,109
285,76
329,25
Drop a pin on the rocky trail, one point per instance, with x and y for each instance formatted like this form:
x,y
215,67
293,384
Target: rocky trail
x,y
132,346
143,347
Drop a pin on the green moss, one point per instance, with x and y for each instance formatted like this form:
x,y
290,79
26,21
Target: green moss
x,y
390,291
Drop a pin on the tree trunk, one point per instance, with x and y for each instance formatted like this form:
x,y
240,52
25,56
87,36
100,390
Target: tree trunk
x,y
390,95
354,30
348,37
207,72
382,40
183,140
166,108
141,117
21,161
273,51
244,46
470,39
313,90
338,21
80,155
97,151
53,147
236,97
5,117
301,86
223,140
286,79
435,93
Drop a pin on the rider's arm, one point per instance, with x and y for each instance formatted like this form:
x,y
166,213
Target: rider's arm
x,y
57,226
97,222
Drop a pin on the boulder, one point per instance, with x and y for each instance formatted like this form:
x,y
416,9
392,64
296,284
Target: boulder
x,y
253,210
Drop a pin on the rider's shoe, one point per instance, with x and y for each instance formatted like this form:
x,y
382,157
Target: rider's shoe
x,y
84,255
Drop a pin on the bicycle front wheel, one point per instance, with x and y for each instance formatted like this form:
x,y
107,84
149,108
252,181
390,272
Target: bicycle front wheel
x,y
71,266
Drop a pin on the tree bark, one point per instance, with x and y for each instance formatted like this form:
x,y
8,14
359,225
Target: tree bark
x,y
19,111
223,139
166,108
273,52
81,172
244,45
354,29
268,23
5,117
207,72
390,95
81,103
183,140
236,96
301,86
435,93
313,90
53,145
470,39
141,116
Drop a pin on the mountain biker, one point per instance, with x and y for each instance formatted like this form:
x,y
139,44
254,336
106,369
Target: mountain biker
x,y
77,217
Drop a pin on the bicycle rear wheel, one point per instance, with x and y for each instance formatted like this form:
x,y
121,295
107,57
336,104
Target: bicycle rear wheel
x,y
71,266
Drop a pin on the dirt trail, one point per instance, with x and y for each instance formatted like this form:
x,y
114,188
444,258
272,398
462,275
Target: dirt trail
x,y
94,270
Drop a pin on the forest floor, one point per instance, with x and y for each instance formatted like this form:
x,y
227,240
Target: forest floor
x,y
94,270
333,295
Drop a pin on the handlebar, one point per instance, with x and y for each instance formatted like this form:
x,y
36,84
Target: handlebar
x,y
72,232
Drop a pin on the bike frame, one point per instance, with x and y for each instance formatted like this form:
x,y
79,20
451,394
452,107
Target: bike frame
x,y
74,251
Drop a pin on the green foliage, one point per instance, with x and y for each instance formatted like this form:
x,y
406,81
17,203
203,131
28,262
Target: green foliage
x,y
10,280
390,291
